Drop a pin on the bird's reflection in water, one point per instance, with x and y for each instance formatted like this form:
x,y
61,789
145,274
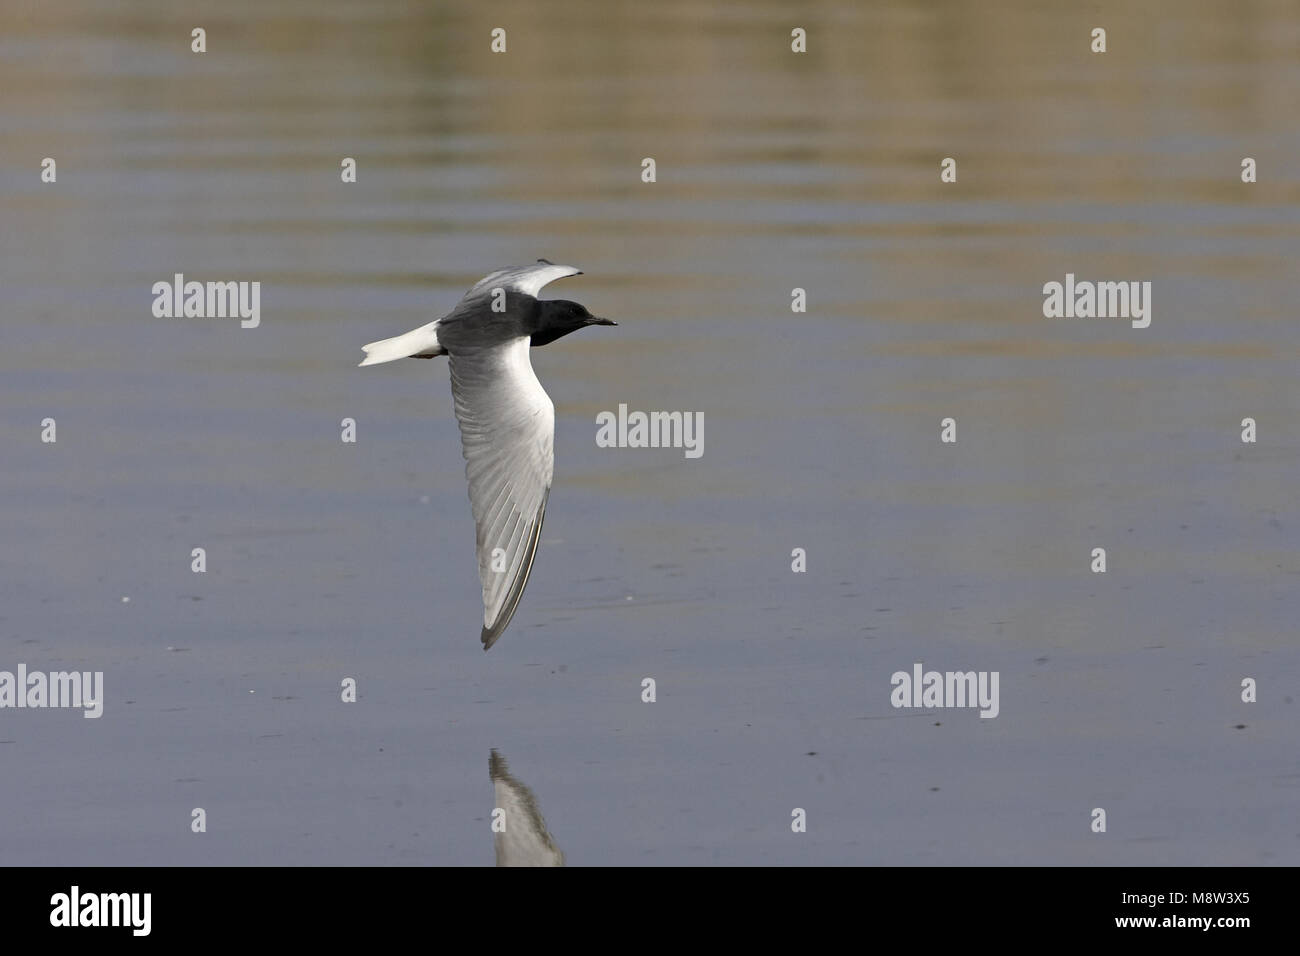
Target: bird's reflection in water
x,y
524,841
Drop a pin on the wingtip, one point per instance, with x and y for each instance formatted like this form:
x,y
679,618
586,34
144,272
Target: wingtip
x,y
548,262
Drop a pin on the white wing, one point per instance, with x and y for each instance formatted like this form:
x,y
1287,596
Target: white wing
x,y
526,841
507,431
526,279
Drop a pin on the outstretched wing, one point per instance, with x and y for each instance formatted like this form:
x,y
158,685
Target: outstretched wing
x,y
507,431
526,279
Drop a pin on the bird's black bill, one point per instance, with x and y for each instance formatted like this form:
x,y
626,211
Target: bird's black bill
x,y
598,321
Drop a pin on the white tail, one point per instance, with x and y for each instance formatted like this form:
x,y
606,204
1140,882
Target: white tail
x,y
420,343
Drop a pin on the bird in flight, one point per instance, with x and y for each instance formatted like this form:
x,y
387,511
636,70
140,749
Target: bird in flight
x,y
507,421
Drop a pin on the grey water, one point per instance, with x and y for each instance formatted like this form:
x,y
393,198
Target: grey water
x,y
775,171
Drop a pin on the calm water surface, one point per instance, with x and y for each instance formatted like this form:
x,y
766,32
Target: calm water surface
x,y
818,171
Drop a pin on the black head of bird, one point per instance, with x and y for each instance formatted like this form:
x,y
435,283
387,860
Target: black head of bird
x,y
557,317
